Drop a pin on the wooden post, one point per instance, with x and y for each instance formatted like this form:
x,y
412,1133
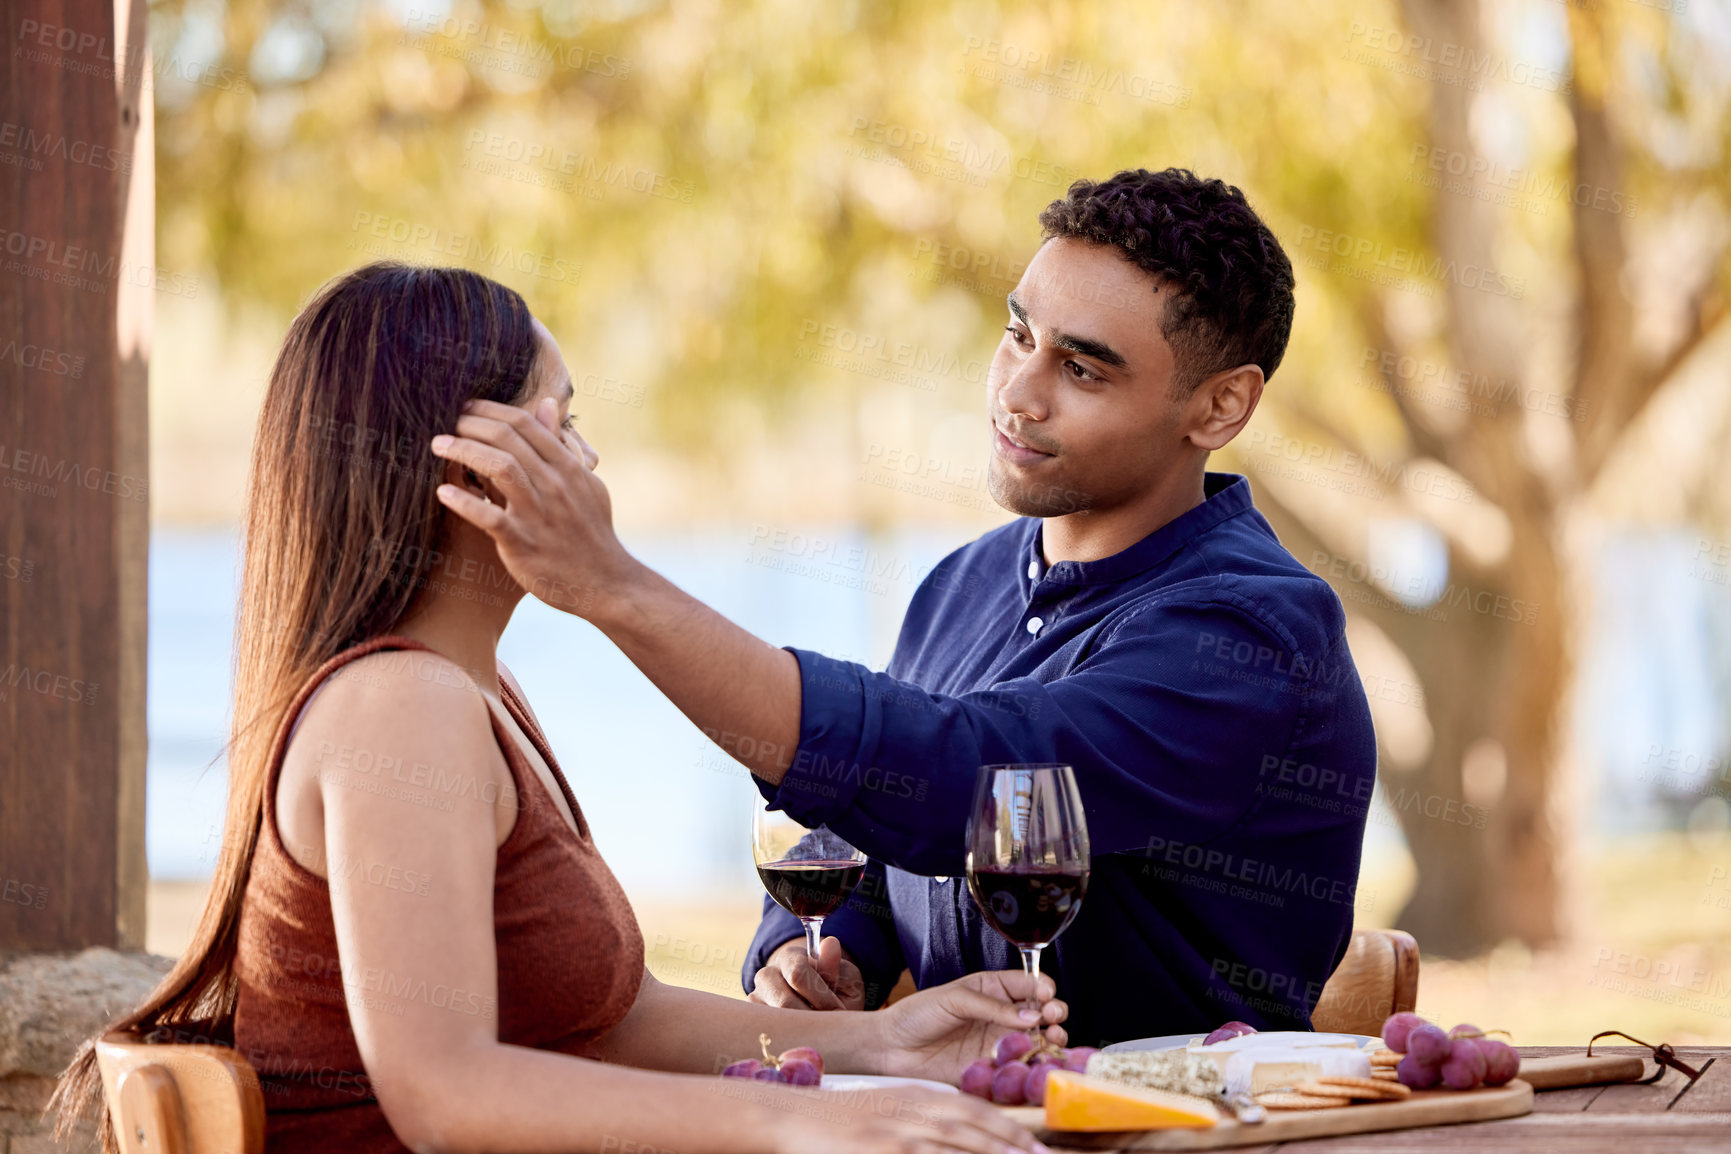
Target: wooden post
x,y
78,280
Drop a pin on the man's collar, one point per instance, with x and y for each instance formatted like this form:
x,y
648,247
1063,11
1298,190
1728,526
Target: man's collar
x,y
1225,495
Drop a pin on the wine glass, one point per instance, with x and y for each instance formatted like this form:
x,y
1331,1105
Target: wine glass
x,y
809,872
1028,854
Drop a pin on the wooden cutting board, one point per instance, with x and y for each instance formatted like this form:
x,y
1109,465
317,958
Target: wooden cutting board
x,y
1424,1108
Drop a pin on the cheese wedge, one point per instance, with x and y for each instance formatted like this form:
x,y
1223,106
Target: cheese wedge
x,y
1080,1102
1222,1052
1276,1068
1176,1070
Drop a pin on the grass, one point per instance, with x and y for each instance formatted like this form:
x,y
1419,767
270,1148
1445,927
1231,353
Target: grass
x,y
1650,951
1650,954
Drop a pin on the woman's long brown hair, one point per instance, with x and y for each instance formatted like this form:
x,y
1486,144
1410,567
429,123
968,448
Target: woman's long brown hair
x,y
342,530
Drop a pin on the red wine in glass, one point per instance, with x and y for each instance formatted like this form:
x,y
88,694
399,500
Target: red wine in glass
x,y
1028,907
809,872
811,889
1028,855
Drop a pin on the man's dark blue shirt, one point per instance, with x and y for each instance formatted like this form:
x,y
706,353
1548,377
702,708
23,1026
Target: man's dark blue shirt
x,y
1199,683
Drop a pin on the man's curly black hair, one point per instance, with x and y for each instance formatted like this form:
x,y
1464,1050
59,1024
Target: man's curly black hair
x,y
1226,280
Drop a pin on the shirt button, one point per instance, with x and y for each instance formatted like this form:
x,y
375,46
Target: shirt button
x,y
940,881
1033,570
1034,624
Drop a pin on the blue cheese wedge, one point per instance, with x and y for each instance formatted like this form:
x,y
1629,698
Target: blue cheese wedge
x,y
1178,1071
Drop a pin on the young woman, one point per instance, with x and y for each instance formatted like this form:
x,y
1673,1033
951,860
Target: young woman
x,y
411,935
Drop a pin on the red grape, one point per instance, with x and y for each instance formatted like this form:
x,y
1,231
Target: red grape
x,y
1428,1044
1011,1047
1396,1029
744,1068
1229,1030
799,1072
1464,1067
1465,1031
1417,1074
1501,1061
1009,1084
977,1079
1034,1089
766,1074
803,1054
1077,1058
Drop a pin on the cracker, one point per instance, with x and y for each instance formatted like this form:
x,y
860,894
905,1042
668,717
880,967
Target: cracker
x,y
1389,1058
1317,1089
1356,1087
1291,1100
1385,1074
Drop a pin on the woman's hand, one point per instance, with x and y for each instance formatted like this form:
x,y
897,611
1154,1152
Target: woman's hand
x,y
936,1032
902,1121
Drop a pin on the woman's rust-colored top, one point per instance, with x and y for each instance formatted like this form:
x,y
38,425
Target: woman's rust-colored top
x,y
570,955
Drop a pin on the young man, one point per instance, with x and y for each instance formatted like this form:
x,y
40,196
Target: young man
x,y
1140,622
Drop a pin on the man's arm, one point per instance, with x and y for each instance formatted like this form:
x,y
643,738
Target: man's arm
x,y
1172,722
1171,743
554,532
740,690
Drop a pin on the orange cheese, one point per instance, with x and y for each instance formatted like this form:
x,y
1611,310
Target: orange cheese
x,y
1078,1102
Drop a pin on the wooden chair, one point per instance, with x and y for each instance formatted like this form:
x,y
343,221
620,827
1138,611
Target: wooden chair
x,y
1377,977
180,1099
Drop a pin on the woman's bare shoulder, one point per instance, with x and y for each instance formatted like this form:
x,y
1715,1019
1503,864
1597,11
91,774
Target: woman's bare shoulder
x,y
410,698
509,679
403,726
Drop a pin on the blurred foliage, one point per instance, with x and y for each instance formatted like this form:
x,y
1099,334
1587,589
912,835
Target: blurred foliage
x,y
765,133
717,202
774,211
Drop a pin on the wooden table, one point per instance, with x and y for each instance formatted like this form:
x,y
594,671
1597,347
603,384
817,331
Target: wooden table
x,y
1668,1116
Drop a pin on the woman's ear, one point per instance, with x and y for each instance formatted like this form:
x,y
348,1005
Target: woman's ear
x,y
468,480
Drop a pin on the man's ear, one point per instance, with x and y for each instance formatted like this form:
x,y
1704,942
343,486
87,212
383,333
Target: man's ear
x,y
1221,405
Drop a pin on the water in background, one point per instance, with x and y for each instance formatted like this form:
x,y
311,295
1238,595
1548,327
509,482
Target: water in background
x,y
668,810
1654,717
671,813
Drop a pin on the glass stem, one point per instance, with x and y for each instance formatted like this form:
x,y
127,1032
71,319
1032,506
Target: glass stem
x,y
1031,967
813,936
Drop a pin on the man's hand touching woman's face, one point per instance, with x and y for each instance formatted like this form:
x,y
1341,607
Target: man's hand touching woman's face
x,y
552,519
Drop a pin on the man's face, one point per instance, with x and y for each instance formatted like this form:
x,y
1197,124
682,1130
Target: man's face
x,y
1080,389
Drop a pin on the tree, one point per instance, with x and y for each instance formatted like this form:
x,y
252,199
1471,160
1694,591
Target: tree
x,y
1496,672
727,180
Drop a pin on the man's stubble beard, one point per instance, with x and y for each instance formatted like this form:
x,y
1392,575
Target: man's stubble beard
x,y
1035,500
